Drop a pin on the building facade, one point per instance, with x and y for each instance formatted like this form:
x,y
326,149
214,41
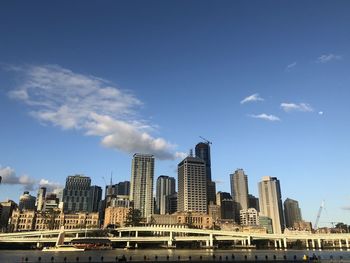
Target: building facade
x,y
239,191
165,187
270,202
227,208
249,217
76,194
95,198
141,185
40,198
202,151
26,202
292,212
192,185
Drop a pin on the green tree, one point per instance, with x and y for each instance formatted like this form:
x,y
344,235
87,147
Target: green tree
x,y
133,218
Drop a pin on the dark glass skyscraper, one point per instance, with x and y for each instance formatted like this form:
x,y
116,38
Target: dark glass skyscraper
x,y
164,189
95,198
202,151
76,194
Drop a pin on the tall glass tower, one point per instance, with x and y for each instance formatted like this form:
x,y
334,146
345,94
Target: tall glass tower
x,y
141,184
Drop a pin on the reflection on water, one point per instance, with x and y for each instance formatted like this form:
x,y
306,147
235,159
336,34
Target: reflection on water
x,y
9,256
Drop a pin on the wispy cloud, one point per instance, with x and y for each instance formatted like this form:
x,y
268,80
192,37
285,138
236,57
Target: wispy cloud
x,y
266,117
347,208
328,57
9,177
290,66
252,98
70,100
304,107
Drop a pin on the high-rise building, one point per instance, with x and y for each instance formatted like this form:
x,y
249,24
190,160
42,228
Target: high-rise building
x,y
76,194
51,202
192,185
253,202
270,202
141,185
239,191
165,187
26,201
95,198
202,151
227,208
292,212
123,188
40,198
171,202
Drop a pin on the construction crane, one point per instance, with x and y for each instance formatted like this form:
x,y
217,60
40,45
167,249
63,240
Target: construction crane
x,y
204,139
319,215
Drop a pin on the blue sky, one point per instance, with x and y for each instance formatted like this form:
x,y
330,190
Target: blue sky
x,y
83,85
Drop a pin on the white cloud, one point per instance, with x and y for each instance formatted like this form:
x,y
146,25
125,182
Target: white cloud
x,y
51,186
70,100
266,117
9,176
328,57
320,112
290,66
252,98
288,107
346,208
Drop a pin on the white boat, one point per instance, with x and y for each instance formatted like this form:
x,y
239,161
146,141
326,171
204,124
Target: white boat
x,y
62,248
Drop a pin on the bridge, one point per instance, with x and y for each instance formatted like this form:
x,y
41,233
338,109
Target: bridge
x,y
170,235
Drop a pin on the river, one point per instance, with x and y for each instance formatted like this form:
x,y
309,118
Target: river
x,y
11,256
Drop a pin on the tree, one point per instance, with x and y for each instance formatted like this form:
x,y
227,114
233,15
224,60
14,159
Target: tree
x,y
133,218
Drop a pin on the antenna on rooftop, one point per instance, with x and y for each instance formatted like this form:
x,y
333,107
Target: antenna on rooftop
x,y
205,140
191,152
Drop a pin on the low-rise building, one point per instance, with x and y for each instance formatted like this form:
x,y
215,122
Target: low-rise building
x,y
189,219
22,220
249,217
116,216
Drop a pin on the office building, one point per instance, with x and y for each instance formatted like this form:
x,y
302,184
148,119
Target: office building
x,y
26,201
202,151
7,208
227,208
95,198
292,212
266,222
165,188
51,203
253,202
141,185
171,202
239,191
270,202
40,198
76,194
249,217
192,185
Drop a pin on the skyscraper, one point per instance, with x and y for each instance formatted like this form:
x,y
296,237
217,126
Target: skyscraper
x,y
192,185
40,199
239,191
292,212
141,185
165,188
225,201
270,202
202,151
76,194
95,198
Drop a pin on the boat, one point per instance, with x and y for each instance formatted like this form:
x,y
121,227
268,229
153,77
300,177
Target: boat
x,y
60,246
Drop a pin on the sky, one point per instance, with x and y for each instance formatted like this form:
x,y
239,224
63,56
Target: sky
x,y
85,84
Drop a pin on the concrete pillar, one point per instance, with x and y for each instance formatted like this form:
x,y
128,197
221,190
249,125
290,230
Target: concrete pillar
x,y
127,244
244,242
347,244
307,244
313,244
319,243
136,233
285,243
207,243
280,243
211,241
120,234
275,244
340,245
333,244
170,241
248,239
76,235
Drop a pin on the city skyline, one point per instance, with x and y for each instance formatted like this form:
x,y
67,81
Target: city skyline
x,y
266,84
